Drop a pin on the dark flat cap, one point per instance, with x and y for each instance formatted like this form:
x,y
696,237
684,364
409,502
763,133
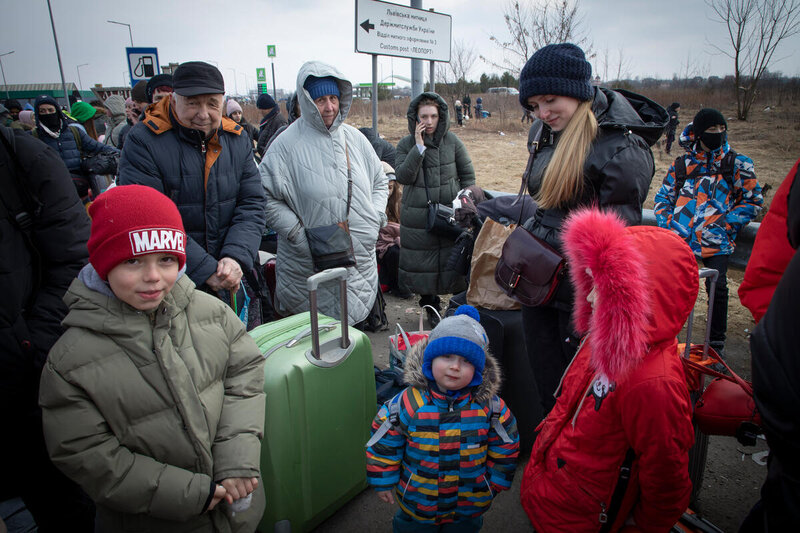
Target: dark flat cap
x,y
159,80
196,77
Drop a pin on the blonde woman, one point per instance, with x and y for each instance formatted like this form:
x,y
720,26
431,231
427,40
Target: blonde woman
x,y
594,150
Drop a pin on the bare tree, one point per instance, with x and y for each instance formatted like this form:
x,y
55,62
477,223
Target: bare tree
x,y
461,61
623,65
756,29
533,25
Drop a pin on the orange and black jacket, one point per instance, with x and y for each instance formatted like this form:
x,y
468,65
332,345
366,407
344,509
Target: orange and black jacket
x,y
213,181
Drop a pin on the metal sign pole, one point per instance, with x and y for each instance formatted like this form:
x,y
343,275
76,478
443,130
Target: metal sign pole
x,y
433,73
375,93
58,55
274,90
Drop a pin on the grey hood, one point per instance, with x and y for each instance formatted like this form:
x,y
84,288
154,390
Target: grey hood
x,y
308,109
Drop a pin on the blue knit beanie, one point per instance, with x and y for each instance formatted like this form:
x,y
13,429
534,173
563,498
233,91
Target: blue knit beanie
x,y
557,69
460,334
318,87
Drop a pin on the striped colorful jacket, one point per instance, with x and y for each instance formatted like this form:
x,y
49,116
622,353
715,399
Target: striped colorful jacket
x,y
708,212
445,463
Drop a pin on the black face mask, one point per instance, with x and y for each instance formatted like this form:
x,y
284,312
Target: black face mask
x,y
51,121
712,140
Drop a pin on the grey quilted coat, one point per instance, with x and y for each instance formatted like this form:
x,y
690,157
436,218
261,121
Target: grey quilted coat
x,y
304,174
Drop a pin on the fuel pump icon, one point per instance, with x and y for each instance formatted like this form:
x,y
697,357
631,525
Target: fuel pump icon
x,y
144,68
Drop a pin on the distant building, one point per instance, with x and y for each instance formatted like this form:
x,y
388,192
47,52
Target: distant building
x,y
27,92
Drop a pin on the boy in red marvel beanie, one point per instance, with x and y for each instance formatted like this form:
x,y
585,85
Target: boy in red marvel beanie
x,y
130,221
152,400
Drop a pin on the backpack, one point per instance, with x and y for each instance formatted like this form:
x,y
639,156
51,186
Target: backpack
x,y
727,168
392,421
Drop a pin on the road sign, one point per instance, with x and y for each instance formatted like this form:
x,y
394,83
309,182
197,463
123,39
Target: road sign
x,y
394,30
262,88
261,74
142,63
270,50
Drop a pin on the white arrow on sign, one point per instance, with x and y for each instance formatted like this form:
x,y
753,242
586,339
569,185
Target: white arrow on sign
x,y
394,30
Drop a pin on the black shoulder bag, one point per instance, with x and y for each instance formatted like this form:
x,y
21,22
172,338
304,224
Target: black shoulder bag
x,y
331,245
441,218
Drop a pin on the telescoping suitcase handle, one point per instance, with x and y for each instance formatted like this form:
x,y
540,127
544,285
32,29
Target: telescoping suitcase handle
x,y
313,284
704,273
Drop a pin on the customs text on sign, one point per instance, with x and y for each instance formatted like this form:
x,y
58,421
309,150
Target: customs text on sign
x,y
394,30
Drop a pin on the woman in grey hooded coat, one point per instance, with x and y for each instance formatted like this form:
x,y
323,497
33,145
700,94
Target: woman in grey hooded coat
x,y
305,178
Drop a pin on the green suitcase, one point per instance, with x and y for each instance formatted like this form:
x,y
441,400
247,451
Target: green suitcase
x,y
318,414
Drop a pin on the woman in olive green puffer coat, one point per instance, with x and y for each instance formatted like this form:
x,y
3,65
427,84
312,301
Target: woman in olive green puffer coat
x,y
445,164
145,411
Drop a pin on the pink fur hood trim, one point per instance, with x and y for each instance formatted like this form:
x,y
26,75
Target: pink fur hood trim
x,y
645,280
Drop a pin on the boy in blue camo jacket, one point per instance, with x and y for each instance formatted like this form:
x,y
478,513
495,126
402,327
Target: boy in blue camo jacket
x,y
707,197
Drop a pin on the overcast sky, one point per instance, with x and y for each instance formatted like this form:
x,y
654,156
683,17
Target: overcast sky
x,y
656,41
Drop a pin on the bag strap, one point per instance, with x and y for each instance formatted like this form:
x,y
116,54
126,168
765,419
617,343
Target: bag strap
x,y
349,189
494,408
608,517
392,421
533,149
727,169
421,316
704,369
77,135
349,181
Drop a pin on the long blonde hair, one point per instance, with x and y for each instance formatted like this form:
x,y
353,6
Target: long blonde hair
x,y
563,178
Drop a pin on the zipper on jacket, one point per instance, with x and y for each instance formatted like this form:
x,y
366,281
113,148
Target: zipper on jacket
x,y
603,518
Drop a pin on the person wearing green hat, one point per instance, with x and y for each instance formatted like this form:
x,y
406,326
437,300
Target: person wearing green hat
x,y
83,114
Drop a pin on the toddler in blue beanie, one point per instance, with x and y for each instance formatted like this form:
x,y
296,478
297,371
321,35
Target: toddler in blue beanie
x,y
447,445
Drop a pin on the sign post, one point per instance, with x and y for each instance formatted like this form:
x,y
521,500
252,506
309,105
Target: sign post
x,y
271,54
142,63
389,29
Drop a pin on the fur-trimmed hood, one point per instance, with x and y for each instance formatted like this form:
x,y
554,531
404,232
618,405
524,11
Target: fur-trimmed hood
x,y
482,393
646,283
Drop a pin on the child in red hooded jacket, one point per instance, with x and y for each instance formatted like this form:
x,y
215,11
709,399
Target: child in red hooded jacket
x,y
624,394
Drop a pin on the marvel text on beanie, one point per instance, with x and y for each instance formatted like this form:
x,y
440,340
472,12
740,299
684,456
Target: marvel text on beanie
x,y
133,220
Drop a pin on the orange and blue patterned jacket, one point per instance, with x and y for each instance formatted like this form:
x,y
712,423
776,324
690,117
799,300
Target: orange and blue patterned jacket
x,y
444,460
708,211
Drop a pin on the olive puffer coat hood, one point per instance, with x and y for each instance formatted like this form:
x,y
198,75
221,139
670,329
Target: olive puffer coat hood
x,y
447,168
145,410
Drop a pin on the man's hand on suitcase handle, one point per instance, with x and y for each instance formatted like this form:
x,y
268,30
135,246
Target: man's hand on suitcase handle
x,y
386,496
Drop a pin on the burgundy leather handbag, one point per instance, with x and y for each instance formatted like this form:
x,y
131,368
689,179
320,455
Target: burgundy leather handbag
x,y
529,270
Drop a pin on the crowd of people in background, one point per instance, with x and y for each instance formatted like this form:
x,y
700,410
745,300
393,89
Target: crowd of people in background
x,y
162,264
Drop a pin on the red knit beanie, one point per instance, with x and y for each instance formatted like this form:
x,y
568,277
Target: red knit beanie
x,y
131,220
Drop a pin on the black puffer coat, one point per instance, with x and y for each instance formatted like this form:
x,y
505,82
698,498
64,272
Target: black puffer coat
x,y
214,183
776,385
30,316
618,168
447,167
